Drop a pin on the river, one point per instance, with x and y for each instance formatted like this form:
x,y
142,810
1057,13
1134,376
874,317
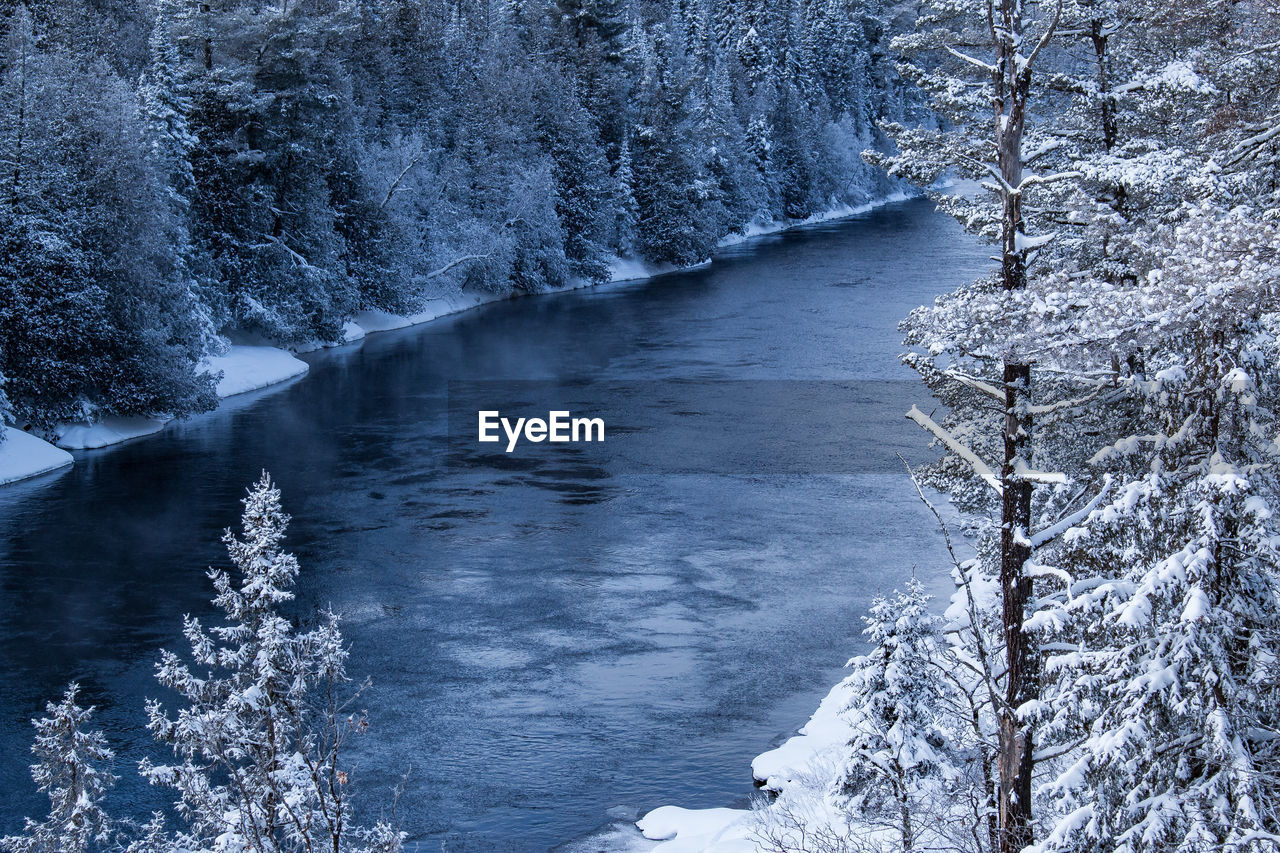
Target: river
x,y
555,641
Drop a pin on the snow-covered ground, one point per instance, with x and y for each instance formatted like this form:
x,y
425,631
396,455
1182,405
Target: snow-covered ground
x,y
248,368
843,211
799,773
113,430
633,269
244,368
23,455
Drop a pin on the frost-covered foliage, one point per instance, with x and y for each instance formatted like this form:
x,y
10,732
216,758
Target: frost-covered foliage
x,y
1139,296
72,768
259,736
257,739
94,315
175,172
900,755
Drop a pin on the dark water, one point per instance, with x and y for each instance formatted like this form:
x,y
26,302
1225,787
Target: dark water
x,y
557,640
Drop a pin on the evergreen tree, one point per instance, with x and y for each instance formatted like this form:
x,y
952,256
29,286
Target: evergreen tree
x,y
898,755
72,769
96,318
260,735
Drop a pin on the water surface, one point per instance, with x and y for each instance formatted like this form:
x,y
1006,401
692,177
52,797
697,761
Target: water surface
x,y
554,642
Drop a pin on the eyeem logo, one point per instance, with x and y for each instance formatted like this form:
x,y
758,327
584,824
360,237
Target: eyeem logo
x,y
558,428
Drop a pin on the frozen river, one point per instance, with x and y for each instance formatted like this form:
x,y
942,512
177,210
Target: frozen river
x,y
558,638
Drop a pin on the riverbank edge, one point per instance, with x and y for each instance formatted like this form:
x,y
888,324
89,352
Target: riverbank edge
x,y
795,774
252,367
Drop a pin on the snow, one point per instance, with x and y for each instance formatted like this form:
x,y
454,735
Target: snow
x,y
441,306
1026,243
843,211
248,368
798,771
825,733
634,269
111,430
698,830
23,455
352,332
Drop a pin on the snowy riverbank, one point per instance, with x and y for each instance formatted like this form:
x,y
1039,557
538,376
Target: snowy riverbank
x,y
798,773
244,368
23,455
250,367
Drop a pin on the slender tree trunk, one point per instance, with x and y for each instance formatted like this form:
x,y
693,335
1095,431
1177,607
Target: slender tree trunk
x,y
1099,35
1022,683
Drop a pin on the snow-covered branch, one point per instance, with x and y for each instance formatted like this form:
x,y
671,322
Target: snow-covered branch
x,y
1063,524
982,469
975,383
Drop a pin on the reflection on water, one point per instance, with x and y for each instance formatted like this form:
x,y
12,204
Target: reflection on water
x,y
557,641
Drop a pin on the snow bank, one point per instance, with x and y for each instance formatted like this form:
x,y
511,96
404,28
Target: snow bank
x,y
699,830
248,368
634,269
819,743
23,455
453,303
843,211
107,431
244,368
352,332
800,772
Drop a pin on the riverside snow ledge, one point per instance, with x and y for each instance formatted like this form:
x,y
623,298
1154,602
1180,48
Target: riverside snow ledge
x,y
244,369
248,368
23,456
800,773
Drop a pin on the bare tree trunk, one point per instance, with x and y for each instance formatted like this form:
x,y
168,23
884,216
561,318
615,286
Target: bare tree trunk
x,y
1022,682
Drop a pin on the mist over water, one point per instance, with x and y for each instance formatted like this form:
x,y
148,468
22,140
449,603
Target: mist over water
x,y
558,639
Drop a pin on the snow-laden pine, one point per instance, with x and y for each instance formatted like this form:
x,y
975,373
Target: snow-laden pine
x,y
73,769
259,736
255,743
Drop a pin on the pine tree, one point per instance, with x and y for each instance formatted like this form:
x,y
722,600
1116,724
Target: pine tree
x,y
72,769
259,737
95,318
898,755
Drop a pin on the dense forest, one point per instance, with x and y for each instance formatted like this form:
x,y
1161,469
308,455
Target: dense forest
x,y
1103,676
178,172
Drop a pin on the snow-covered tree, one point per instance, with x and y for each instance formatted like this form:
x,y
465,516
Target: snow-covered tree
x,y
73,768
259,736
1164,624
94,317
979,61
899,762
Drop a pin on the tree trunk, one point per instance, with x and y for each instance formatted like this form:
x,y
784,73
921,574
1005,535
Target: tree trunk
x,y
1022,681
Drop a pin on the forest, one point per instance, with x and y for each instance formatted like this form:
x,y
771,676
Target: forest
x,y
180,174
1103,675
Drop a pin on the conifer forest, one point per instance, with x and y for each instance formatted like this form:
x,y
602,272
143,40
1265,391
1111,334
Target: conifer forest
x,y
1018,259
